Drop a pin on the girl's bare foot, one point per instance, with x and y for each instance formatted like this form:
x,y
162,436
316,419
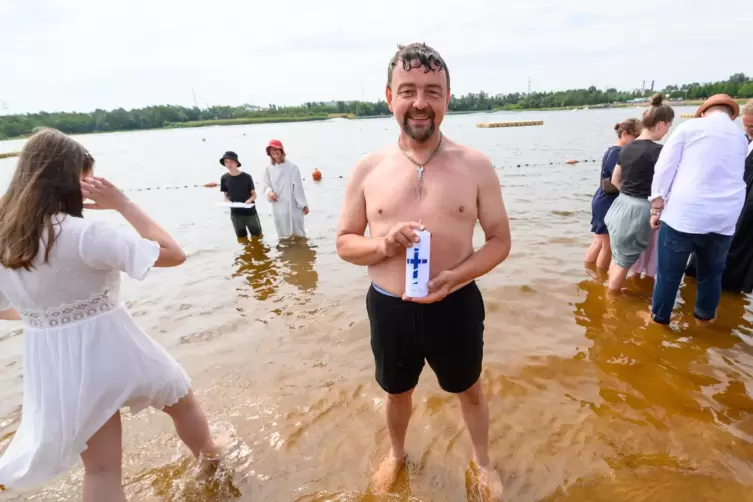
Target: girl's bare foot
x,y
208,465
384,478
489,483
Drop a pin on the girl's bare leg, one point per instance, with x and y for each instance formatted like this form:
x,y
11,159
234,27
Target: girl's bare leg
x,y
605,254
103,458
593,250
617,276
193,429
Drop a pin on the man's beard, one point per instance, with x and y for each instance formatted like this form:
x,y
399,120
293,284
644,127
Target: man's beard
x,y
419,135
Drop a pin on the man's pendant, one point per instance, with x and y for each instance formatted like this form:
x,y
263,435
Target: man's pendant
x,y
420,173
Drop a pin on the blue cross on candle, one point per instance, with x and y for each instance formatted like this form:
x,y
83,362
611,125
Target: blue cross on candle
x,y
416,261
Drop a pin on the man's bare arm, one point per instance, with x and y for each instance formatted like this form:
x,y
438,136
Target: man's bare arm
x,y
492,216
352,245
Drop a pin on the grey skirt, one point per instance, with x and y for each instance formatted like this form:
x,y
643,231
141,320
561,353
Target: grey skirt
x,y
629,224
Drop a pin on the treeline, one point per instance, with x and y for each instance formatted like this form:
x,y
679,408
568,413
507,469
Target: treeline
x,y
738,85
155,117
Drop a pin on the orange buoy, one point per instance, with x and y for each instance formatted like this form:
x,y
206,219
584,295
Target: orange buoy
x,y
211,184
571,161
316,175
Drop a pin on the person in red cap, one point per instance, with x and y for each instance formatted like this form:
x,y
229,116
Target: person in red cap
x,y
424,181
284,189
697,194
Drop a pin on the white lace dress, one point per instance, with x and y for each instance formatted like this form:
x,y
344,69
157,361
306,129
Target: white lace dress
x,y
84,357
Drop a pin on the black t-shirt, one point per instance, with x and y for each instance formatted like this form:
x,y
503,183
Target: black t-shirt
x,y
238,189
637,161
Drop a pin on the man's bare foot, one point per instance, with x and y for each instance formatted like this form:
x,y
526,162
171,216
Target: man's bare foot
x,y
384,478
489,483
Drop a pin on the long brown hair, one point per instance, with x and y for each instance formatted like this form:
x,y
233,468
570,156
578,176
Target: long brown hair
x,y
657,112
284,158
46,182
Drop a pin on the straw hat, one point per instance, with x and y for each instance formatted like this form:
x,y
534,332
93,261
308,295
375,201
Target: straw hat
x,y
719,99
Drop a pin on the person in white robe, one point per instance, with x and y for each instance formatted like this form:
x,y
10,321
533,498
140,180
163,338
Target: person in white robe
x,y
284,189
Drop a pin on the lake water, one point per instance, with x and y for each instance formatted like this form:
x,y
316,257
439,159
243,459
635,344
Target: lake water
x,y
587,402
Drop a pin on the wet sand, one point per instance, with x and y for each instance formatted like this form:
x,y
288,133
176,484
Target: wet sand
x,y
587,400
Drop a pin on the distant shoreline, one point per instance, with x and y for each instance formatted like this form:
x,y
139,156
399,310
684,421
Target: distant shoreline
x,y
243,121
344,116
642,104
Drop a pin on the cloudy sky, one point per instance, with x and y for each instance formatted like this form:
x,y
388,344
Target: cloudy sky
x,y
87,54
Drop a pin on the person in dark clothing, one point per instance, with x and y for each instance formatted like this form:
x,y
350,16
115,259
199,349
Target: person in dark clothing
x,y
599,252
738,272
239,187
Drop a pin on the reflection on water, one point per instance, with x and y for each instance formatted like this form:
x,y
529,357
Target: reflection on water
x,y
299,257
260,271
293,262
671,400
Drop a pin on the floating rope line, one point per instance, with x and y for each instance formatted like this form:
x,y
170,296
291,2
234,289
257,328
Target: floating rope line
x,y
545,164
508,166
146,189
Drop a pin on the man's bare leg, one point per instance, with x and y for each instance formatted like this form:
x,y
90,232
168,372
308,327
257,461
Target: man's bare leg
x,y
397,410
476,416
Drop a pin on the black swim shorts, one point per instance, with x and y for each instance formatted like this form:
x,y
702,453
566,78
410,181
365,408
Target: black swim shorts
x,y
449,334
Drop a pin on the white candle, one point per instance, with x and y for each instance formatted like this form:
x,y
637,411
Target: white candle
x,y
417,263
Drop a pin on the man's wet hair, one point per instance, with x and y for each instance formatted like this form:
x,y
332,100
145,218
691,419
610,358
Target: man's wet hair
x,y
425,56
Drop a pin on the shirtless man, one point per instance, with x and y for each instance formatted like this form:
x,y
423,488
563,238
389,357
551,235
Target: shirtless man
x,y
425,181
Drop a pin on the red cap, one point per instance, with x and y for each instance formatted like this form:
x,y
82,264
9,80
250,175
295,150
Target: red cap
x,y
275,143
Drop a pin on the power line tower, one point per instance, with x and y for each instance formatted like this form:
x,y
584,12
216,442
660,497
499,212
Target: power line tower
x,y
529,85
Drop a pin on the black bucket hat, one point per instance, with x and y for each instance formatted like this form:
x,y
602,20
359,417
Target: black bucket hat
x,y
231,156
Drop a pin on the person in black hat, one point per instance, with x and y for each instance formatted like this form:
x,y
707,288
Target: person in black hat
x,y
239,187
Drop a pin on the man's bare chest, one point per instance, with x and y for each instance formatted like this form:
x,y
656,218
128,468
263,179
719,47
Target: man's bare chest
x,y
404,191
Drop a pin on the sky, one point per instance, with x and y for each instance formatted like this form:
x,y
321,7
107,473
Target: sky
x,y
80,55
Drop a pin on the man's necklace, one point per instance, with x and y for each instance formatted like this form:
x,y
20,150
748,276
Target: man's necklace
x,y
419,166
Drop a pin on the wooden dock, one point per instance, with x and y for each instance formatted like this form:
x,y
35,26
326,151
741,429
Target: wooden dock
x,y
510,124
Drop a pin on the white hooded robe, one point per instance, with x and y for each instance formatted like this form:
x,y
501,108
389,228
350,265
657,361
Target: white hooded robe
x,y
285,181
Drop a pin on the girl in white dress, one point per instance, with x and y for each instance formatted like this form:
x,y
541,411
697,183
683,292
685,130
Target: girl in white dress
x,y
84,357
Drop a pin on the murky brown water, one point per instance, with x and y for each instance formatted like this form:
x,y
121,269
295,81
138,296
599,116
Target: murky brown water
x,y
587,401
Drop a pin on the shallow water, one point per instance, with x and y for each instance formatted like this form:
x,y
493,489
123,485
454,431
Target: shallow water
x,y
587,401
